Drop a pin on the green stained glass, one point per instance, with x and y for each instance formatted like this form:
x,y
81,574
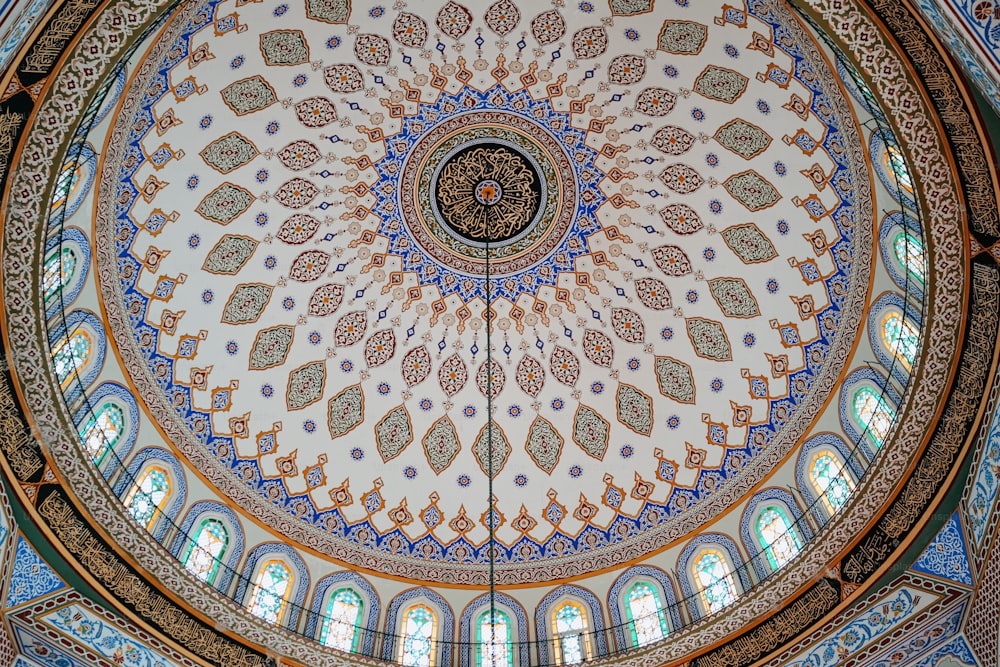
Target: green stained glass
x,y
778,537
267,600
901,337
340,629
148,495
72,355
645,612
571,627
103,431
59,269
715,580
831,483
418,637
893,159
874,414
494,648
909,252
204,554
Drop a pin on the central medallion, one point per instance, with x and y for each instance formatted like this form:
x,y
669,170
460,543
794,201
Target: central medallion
x,y
488,191
487,175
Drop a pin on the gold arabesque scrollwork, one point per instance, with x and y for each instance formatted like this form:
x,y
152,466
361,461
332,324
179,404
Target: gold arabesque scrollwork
x,y
511,213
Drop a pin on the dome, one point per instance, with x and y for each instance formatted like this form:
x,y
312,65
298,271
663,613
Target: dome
x,y
530,311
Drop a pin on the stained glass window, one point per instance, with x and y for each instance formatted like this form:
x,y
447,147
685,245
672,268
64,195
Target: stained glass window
x,y
206,549
901,337
909,252
494,647
874,414
59,269
103,431
419,628
715,581
831,483
893,159
644,610
572,641
268,596
148,495
777,535
72,355
340,627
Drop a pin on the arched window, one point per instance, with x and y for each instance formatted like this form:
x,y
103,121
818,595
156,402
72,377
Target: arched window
x,y
901,337
714,580
493,641
58,272
204,553
72,355
419,630
909,251
874,414
103,431
570,631
340,624
268,599
148,496
894,161
648,622
830,482
777,536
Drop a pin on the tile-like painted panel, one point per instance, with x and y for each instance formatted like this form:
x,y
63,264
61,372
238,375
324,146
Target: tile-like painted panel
x,y
947,555
31,577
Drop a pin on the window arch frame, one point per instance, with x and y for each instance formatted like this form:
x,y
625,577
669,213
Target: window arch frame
x,y
178,493
518,628
207,509
218,558
371,607
135,489
391,646
833,444
654,576
753,543
74,239
255,587
111,392
877,383
84,376
257,557
894,224
543,620
691,585
887,304
660,614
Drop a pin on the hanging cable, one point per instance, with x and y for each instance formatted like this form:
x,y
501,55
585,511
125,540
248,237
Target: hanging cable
x,y
489,449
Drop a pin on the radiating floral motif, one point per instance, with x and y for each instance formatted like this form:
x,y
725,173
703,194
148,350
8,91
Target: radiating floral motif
x,y
345,411
315,112
416,366
380,347
326,300
441,444
548,27
373,50
393,433
590,42
598,348
300,154
454,20
502,17
564,365
655,102
345,78
544,444
350,328
490,378
409,30
298,229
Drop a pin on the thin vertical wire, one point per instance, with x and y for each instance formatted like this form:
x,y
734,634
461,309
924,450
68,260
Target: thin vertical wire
x,y
489,450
